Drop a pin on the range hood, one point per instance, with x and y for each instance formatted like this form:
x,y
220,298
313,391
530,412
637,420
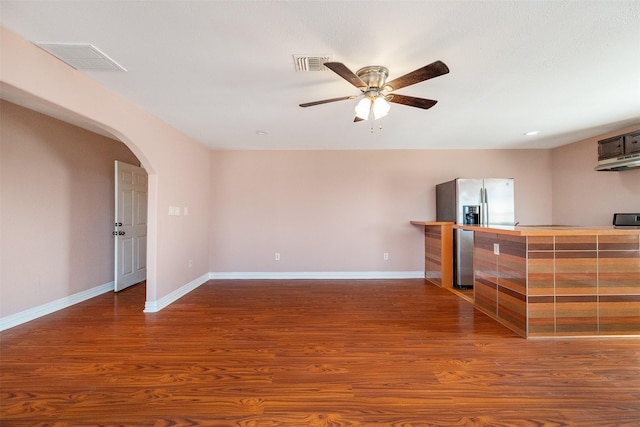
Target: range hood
x,y
619,153
621,163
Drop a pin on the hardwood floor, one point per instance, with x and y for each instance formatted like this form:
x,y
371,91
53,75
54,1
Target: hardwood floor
x,y
307,353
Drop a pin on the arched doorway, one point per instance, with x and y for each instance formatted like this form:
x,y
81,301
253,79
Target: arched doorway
x,y
37,105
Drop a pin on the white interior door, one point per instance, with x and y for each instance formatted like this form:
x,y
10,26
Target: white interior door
x,y
130,229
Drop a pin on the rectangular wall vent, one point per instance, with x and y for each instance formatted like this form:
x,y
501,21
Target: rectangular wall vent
x,y
84,57
310,63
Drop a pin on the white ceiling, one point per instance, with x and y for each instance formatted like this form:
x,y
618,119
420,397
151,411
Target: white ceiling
x,y
221,71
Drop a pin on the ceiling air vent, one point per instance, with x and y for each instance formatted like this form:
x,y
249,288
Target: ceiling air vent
x,y
310,63
83,57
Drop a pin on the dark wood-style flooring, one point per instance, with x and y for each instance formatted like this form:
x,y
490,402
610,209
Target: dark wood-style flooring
x,y
307,353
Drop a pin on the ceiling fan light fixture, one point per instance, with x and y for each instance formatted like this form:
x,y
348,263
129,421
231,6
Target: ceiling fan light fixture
x,y
380,107
376,92
363,108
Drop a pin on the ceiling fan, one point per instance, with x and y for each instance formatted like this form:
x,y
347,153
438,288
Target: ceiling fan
x,y
376,92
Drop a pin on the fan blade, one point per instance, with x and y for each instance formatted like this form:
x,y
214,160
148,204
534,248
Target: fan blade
x,y
357,119
340,69
427,72
412,101
326,101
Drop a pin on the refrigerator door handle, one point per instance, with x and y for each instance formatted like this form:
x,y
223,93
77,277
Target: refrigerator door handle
x,y
485,207
482,211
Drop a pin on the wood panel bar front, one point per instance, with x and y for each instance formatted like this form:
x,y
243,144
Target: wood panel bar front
x,y
500,278
438,252
559,284
547,281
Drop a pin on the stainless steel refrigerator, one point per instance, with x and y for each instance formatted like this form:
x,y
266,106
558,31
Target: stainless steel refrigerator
x,y
479,201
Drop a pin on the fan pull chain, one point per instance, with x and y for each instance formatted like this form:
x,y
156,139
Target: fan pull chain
x,y
379,127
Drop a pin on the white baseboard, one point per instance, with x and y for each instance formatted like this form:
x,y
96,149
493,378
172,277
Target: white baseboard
x,y
154,306
50,307
321,275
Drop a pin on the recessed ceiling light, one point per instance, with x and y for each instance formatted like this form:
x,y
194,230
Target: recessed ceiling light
x,y
262,132
531,133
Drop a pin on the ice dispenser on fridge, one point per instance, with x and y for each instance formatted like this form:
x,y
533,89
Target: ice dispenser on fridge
x,y
471,214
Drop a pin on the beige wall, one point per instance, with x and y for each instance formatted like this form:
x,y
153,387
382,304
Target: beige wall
x,y
582,196
339,211
56,208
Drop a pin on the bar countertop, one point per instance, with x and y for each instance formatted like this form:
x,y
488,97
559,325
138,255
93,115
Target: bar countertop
x,y
551,230
539,230
429,223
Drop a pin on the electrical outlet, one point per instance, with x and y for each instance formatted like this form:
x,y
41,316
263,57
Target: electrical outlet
x,y
277,256
385,256
190,263
496,249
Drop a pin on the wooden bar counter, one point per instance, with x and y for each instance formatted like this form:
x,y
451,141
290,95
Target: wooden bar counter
x,y
559,281
438,251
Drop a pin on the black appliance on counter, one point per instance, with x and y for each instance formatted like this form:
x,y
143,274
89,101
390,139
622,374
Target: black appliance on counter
x,y
626,220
